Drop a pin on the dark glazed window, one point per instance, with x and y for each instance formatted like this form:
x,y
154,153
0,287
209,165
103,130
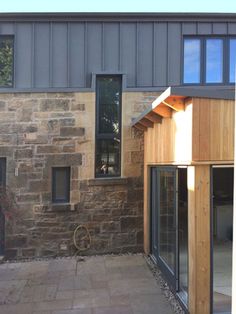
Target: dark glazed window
x,y
232,60
192,52
6,61
214,60
61,184
108,98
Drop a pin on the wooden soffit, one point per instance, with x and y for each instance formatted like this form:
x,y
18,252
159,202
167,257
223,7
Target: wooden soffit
x,y
162,107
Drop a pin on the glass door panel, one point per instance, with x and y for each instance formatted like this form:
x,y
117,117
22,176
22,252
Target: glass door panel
x,y
222,235
183,234
167,218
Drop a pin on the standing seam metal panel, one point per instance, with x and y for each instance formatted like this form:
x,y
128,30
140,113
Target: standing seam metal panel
x,y
65,54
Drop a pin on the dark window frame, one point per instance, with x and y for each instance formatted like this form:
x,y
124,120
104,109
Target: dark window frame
x,y
66,200
225,60
12,37
108,136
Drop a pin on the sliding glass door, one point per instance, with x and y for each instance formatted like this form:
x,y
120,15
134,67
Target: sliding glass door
x,y
222,238
170,226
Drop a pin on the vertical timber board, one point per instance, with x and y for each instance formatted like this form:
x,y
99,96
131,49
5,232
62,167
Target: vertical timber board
x,y
213,129
199,239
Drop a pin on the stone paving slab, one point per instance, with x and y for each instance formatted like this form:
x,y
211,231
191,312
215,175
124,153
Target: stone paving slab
x,y
101,285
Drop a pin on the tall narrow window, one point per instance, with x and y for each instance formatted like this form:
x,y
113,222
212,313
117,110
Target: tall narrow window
x,y
232,60
108,132
6,61
214,60
192,52
61,184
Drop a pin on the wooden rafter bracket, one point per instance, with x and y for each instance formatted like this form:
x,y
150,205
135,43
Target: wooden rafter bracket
x,y
146,122
154,117
140,127
175,103
163,111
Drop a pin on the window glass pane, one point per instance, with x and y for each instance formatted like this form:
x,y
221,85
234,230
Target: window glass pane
x,y
108,157
192,48
61,184
167,221
214,60
222,228
232,58
109,94
6,61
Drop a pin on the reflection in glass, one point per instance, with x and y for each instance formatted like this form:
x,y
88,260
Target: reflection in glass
x,y
166,224
109,93
192,61
232,60
108,135
108,157
183,233
6,61
222,239
214,60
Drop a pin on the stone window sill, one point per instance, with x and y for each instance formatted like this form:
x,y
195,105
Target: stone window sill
x,y
107,181
60,207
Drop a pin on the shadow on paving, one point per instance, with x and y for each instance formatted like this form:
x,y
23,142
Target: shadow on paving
x,y
102,285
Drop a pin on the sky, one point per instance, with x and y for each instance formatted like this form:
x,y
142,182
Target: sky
x,y
214,6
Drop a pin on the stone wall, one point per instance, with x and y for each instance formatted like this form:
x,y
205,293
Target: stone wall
x,y
39,131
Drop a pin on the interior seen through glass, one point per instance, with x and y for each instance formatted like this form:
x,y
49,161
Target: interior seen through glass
x,y
222,228
183,233
167,220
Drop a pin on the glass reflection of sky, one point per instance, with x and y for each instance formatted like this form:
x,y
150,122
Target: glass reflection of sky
x,y
192,61
232,60
214,60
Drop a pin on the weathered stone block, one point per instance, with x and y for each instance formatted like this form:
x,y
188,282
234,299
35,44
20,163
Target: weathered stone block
x,y
64,160
72,131
67,122
23,153
130,223
110,226
28,198
61,207
48,149
54,105
16,241
2,105
10,253
38,186
31,252
123,239
77,107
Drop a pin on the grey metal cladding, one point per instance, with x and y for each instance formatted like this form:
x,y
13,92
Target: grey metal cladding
x,y
63,52
41,68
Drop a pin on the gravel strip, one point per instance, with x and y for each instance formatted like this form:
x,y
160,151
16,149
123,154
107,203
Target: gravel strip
x,y
164,286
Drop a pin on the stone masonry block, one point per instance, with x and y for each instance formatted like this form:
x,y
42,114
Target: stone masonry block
x,y
72,131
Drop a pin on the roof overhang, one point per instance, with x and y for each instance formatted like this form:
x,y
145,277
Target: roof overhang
x,y
172,100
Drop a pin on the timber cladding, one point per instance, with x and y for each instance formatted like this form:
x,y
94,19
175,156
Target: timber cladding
x,y
39,131
213,129
203,132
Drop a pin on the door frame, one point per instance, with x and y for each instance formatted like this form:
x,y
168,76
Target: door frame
x,y
212,233
171,276
3,166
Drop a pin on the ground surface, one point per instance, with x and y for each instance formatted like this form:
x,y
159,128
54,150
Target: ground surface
x,y
103,285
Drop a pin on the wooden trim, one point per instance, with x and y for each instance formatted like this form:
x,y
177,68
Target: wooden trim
x,y
146,122
163,111
140,127
175,103
146,204
199,238
154,117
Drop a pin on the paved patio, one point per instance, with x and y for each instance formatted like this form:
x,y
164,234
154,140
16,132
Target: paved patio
x,y
103,285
